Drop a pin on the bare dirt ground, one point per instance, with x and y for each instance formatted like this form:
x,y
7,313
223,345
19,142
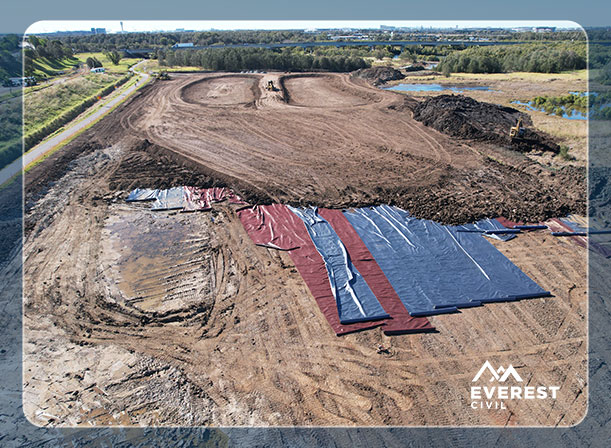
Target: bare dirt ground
x,y
335,141
135,317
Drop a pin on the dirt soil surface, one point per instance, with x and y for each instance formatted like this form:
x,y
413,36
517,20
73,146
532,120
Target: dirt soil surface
x,y
335,141
135,317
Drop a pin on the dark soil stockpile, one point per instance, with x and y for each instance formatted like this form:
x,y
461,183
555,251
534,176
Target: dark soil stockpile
x,y
464,117
378,75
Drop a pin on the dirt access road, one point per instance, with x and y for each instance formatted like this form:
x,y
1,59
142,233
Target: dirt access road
x,y
135,317
89,116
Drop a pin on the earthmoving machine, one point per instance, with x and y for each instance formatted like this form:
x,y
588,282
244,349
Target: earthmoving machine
x,y
516,130
270,86
162,75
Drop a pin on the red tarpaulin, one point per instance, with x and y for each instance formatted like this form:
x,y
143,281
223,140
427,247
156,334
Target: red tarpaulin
x,y
275,226
362,259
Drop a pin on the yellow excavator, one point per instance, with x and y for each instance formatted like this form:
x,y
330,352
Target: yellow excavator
x,y
516,130
270,86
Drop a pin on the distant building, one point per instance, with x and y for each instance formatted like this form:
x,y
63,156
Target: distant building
x,y
98,30
544,29
98,70
183,45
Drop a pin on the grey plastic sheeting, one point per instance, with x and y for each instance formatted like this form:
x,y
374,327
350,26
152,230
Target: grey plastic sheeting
x,y
143,194
170,199
434,268
355,301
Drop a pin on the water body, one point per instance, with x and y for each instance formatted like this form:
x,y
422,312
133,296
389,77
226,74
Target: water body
x,y
575,115
584,93
434,88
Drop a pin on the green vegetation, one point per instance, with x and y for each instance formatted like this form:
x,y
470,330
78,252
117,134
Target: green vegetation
x,y
106,42
235,59
114,56
562,104
122,65
542,58
600,106
49,109
47,58
10,65
10,131
564,153
93,63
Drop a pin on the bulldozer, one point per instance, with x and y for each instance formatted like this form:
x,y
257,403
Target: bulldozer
x,y
516,130
270,86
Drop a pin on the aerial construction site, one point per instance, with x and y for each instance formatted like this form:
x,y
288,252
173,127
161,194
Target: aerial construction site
x,y
329,273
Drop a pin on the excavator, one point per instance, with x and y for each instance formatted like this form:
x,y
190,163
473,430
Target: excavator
x,y
516,130
270,86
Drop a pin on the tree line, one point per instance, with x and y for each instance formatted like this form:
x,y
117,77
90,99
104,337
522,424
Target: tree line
x,y
541,58
105,42
236,59
52,50
10,62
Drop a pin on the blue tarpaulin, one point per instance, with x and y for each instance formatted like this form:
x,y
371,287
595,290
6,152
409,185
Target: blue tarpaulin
x,y
355,301
435,268
488,227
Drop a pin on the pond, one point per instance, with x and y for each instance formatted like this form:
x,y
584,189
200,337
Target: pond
x,y
584,93
575,114
434,88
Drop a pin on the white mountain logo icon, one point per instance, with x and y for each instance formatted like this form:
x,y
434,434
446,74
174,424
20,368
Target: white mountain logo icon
x,y
500,375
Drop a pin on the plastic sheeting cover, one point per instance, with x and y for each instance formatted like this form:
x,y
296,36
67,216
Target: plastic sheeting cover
x,y
488,225
142,194
276,226
434,268
595,243
187,199
170,199
355,301
401,321
273,226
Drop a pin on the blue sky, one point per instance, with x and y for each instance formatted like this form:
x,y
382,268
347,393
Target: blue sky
x,y
47,26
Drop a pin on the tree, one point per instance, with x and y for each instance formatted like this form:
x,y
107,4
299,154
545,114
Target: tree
x,y
114,56
93,62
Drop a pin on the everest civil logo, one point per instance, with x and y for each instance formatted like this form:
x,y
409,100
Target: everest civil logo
x,y
496,374
494,397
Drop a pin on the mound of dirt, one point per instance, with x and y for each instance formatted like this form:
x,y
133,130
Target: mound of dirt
x,y
378,75
464,117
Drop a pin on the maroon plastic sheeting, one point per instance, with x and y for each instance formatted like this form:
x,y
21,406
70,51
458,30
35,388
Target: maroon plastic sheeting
x,y
362,259
201,199
275,226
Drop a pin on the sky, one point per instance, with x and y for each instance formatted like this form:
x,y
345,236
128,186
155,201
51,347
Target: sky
x,y
112,26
